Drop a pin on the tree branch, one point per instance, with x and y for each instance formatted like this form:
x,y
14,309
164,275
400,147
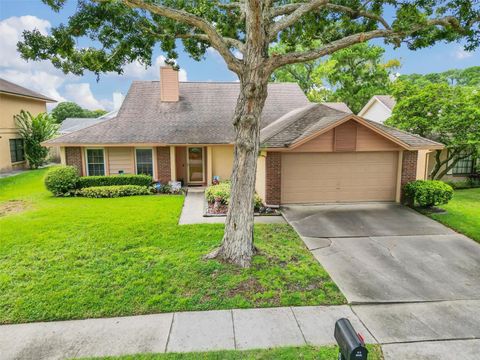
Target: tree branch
x,y
277,60
295,16
216,40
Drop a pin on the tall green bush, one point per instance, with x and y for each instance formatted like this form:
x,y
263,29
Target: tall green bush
x,y
62,180
428,193
34,130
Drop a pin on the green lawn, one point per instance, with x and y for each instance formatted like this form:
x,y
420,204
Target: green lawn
x,y
463,213
304,353
73,258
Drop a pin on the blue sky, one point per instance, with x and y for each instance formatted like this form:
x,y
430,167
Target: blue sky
x,y
17,15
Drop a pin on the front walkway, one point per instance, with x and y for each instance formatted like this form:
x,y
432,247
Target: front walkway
x,y
433,331
194,207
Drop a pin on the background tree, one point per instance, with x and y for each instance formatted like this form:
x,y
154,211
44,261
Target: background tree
x,y
439,111
128,30
467,77
69,109
352,75
34,130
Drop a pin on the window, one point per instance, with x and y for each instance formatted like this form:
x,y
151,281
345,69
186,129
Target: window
x,y
95,162
463,166
16,150
144,161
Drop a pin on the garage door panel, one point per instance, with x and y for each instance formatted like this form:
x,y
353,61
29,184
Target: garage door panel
x,y
339,177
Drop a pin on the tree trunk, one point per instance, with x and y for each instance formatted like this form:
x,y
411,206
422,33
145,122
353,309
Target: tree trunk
x,y
237,244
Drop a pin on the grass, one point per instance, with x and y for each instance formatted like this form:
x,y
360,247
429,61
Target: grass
x,y
74,258
305,353
463,213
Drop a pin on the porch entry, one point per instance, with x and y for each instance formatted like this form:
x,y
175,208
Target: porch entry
x,y
195,165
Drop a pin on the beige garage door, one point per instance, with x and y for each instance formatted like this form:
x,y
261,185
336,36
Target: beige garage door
x,y
339,177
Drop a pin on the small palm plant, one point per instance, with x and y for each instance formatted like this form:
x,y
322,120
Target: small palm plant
x,y
35,130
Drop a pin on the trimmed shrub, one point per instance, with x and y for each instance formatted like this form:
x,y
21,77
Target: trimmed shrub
x,y
112,180
169,189
62,180
113,191
222,191
428,193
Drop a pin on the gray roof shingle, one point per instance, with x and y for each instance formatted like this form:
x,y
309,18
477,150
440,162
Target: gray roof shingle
x,y
202,116
301,123
8,87
387,100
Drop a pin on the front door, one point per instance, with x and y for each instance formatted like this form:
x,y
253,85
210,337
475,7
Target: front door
x,y
195,165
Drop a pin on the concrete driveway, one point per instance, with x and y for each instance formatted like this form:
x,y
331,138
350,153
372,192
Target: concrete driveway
x,y
385,252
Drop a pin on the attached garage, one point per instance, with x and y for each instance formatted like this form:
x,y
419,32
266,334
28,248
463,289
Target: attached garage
x,y
318,155
338,177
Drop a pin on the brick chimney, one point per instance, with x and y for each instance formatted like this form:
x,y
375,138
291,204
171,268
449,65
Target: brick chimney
x,y
169,90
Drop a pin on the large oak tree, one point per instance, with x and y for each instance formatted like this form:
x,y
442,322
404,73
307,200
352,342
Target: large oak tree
x,y
128,30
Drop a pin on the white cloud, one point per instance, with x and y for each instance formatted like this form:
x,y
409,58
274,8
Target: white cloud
x,y
83,96
460,53
138,71
39,76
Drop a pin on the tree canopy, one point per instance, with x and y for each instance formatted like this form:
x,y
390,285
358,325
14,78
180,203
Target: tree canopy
x,y
467,77
351,75
447,113
68,109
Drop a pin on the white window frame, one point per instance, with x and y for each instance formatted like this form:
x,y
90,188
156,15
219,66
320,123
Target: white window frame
x,y
203,165
153,159
104,160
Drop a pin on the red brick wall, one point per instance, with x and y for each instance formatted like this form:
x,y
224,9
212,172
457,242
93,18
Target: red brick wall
x,y
73,157
273,181
163,164
409,168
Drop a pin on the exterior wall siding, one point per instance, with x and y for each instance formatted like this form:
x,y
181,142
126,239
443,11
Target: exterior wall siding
x,y
73,157
260,176
273,178
121,159
222,161
163,164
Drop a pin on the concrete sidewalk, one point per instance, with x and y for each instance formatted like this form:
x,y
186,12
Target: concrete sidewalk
x,y
416,331
193,209
175,332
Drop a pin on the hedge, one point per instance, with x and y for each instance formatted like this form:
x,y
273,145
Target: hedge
x,y
428,193
113,191
112,180
62,180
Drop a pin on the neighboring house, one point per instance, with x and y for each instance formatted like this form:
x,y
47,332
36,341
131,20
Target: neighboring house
x,y
13,99
311,153
379,108
73,124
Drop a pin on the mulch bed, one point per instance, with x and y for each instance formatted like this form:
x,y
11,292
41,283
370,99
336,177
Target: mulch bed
x,y
222,210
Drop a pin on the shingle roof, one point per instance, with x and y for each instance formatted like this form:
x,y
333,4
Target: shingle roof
x,y
202,116
8,87
405,137
341,106
387,100
298,124
301,123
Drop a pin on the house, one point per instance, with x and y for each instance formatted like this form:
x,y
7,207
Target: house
x,y
13,99
310,152
379,108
